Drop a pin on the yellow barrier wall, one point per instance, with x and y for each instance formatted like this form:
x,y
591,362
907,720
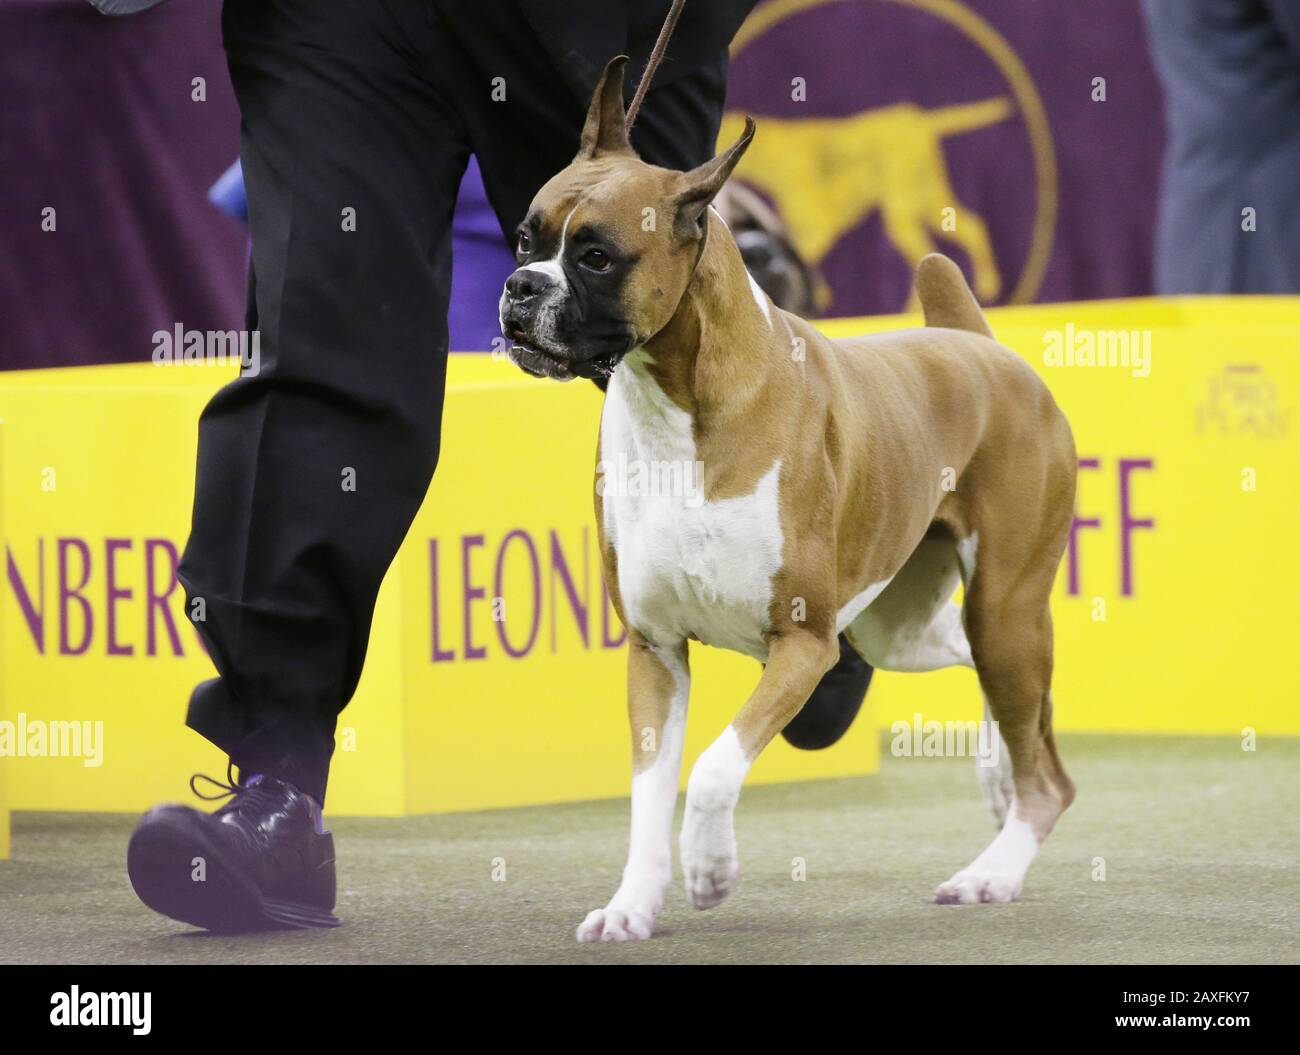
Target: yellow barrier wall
x,y
100,477
99,471
1202,640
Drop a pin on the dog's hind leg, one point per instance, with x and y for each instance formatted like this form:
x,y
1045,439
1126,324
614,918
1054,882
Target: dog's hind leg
x,y
1010,631
796,661
658,685
915,626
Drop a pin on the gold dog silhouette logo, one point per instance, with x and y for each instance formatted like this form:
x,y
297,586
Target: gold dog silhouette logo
x,y
827,175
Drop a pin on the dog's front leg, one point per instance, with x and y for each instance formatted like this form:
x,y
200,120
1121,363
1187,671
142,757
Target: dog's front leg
x,y
658,684
796,662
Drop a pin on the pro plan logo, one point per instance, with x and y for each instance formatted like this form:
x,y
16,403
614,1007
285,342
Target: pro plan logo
x,y
1243,400
871,166
75,1008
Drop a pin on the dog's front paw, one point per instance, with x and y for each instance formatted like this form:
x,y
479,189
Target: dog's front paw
x,y
710,879
973,886
630,914
614,924
709,860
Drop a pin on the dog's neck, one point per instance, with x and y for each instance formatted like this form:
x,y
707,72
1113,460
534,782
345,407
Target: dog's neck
x,y
716,352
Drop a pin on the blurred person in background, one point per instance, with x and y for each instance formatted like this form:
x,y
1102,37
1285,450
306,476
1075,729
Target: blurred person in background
x,y
1231,76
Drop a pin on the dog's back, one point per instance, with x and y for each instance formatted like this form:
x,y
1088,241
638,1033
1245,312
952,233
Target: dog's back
x,y
948,372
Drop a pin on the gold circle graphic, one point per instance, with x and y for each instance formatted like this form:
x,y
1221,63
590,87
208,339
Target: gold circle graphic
x,y
996,48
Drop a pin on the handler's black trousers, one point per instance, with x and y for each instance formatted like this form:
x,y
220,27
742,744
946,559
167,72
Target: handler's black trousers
x,y
358,117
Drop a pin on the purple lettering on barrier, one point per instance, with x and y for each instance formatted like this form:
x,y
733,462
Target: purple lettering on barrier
x,y
1080,522
498,588
157,603
581,607
34,617
606,609
1127,523
157,588
67,594
113,594
562,581
471,593
439,654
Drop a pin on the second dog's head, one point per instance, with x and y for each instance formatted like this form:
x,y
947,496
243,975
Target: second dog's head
x,y
607,249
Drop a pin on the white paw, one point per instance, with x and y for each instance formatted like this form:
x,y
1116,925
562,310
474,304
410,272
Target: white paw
x,y
708,829
615,924
973,886
709,860
708,882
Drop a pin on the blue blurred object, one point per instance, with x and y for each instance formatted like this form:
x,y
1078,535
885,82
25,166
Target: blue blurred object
x,y
481,260
227,194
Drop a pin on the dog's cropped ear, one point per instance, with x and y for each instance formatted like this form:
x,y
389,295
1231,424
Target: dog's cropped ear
x,y
606,128
700,185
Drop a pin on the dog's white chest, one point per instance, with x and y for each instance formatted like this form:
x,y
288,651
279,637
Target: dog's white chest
x,y
687,567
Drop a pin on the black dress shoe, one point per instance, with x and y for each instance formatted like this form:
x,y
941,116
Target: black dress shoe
x,y
834,704
257,863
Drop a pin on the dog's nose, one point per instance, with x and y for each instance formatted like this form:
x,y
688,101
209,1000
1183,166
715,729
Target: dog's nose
x,y
526,283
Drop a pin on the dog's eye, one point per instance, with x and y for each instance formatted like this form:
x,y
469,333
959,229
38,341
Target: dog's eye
x,y
524,244
596,260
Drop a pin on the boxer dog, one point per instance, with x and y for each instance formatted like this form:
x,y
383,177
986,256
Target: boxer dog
x,y
842,485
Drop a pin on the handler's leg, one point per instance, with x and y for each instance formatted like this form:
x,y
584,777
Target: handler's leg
x,y
658,686
310,471
795,664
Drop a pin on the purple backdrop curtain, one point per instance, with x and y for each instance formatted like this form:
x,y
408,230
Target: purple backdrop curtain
x,y
861,60
98,123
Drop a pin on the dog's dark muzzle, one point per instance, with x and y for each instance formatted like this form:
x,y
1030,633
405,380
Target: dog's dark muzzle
x,y
542,363
544,343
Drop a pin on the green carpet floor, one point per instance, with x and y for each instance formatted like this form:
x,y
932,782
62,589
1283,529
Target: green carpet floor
x,y
1200,843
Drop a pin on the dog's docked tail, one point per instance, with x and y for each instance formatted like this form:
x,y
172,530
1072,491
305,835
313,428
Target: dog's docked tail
x,y
946,299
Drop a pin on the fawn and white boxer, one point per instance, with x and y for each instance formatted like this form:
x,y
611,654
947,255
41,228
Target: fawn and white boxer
x,y
844,485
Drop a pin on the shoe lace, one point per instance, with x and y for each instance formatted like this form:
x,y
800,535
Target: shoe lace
x,y
239,793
